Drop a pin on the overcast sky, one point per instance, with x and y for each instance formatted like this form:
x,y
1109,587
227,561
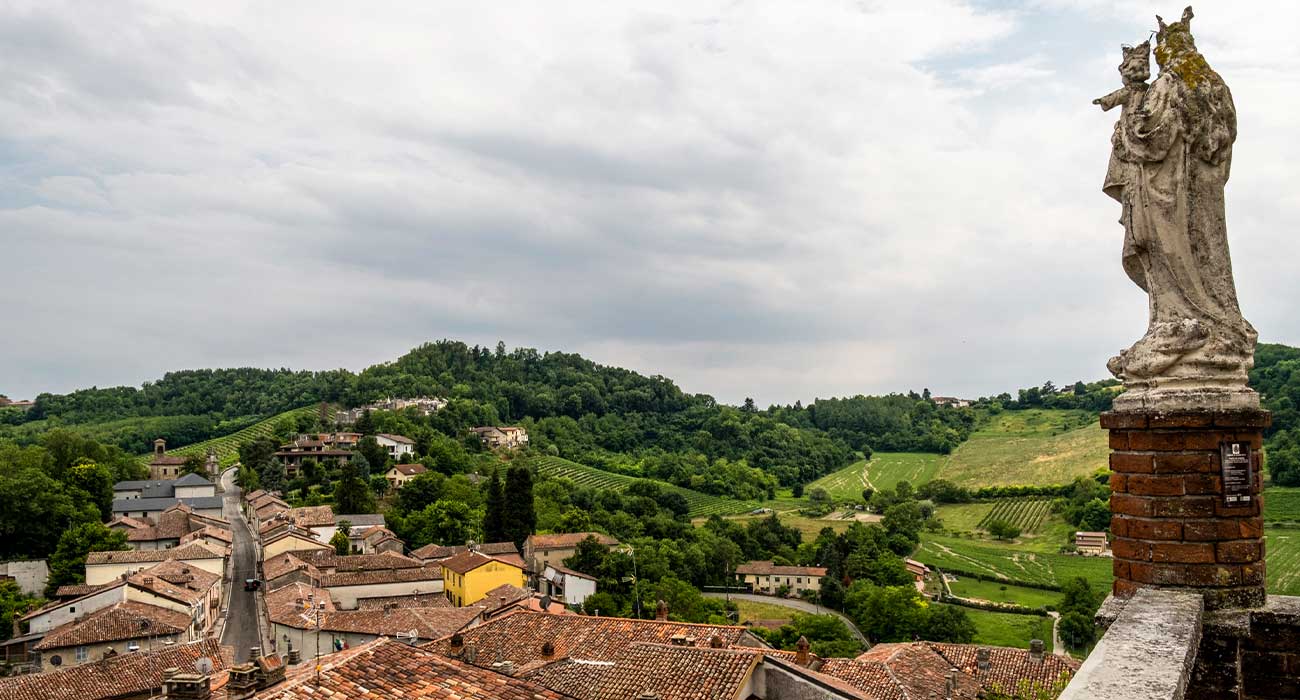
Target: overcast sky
x,y
781,200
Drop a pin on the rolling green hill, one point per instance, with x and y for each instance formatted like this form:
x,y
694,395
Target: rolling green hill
x,y
702,504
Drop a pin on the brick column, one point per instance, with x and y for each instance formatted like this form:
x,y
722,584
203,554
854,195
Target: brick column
x,y
1170,524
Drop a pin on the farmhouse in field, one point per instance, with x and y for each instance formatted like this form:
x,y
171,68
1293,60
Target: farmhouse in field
x,y
767,577
1091,543
505,437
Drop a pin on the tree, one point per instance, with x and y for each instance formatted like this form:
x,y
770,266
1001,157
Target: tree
x,y
949,623
1095,516
797,491
444,522
1077,630
520,515
271,475
352,494
375,454
96,482
831,593
194,464
13,605
604,604
1002,530
68,562
494,528
886,614
36,510
379,484
588,557
342,545
365,424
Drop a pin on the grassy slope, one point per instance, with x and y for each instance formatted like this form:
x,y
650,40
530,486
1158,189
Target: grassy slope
x,y
883,471
1012,562
751,611
1283,565
1007,630
1282,504
227,446
1037,446
1003,592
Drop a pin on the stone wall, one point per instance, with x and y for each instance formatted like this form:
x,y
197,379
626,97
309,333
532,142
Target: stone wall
x,y
1250,654
30,574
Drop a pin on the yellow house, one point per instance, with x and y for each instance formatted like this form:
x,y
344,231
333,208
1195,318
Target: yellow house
x,y
468,576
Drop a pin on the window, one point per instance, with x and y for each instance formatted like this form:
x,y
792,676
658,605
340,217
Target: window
x,y
81,654
72,609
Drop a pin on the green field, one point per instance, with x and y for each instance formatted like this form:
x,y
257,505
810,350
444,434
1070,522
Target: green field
x,y
1009,630
701,504
883,471
1283,565
751,611
227,446
1012,563
845,484
1037,446
1282,504
1003,592
1026,514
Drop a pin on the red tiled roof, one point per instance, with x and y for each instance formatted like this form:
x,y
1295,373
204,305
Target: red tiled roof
x,y
567,540
428,623
331,561
444,551
125,675
415,600
673,672
466,562
118,622
144,556
518,636
312,516
767,568
410,469
176,580
76,590
375,576
388,670
396,438
1008,667
282,564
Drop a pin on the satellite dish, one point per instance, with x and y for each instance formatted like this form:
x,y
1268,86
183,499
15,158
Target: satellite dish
x,y
203,665
56,660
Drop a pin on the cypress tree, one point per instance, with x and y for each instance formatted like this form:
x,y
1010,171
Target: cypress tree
x,y
494,516
520,517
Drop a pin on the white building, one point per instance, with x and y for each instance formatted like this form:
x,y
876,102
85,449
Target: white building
x,y
565,584
397,445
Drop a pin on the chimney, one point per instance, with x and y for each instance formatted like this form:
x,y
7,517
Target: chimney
x,y
678,640
505,668
801,651
243,681
952,684
982,659
169,672
548,649
295,656
186,686
715,642
457,642
254,653
661,611
1036,649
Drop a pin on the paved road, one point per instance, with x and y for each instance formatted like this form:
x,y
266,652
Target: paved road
x,y
800,605
241,631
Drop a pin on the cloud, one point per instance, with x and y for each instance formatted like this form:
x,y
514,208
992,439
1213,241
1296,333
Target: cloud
x,y
754,199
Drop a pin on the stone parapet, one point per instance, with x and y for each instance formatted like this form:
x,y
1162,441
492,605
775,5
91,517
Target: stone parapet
x,y
1174,521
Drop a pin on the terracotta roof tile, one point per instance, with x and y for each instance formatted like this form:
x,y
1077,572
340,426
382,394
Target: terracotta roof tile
x,y
444,551
673,672
144,556
312,516
361,578
327,560
125,675
518,636
117,622
466,562
176,580
1008,667
410,469
415,600
387,670
283,564
76,590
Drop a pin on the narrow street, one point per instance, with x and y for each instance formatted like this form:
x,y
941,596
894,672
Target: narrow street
x,y
242,630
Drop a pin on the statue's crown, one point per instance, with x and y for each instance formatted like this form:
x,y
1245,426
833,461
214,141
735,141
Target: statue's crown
x,y
1182,26
1141,50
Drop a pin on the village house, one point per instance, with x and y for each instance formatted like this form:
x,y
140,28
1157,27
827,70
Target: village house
x,y
950,401
147,499
178,586
399,474
468,576
104,567
287,568
171,528
292,454
1091,543
330,562
295,611
374,540
918,571
164,466
540,550
30,575
425,405
566,585
126,676
505,599
769,578
505,437
397,445
121,628
290,540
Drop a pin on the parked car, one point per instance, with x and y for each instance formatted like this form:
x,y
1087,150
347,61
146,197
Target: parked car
x,y
252,584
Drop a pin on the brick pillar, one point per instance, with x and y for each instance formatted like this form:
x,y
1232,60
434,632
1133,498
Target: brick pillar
x,y
1171,526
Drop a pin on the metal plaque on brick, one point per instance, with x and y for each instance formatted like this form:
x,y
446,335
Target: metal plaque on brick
x,y
1234,458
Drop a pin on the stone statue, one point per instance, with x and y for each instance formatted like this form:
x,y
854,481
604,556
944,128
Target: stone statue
x,y
1171,152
